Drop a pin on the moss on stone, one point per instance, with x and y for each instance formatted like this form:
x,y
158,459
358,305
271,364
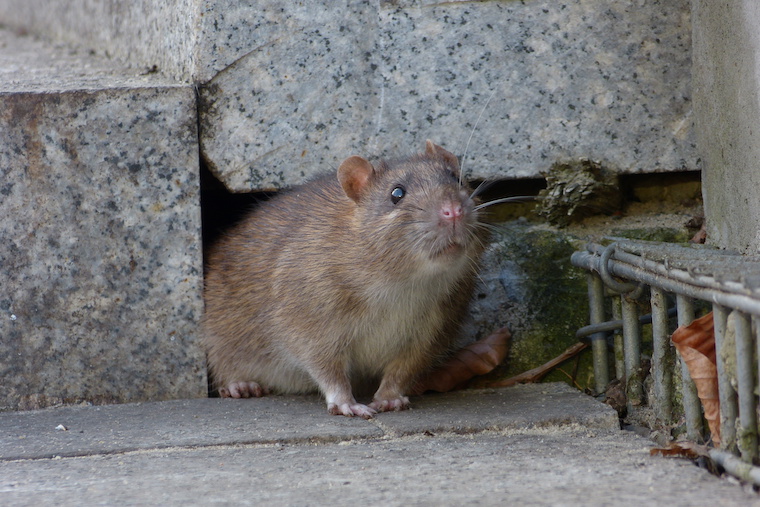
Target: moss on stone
x,y
553,299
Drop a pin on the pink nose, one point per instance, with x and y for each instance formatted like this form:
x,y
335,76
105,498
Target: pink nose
x,y
451,211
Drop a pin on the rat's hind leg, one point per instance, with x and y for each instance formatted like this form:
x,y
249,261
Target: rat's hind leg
x,y
243,390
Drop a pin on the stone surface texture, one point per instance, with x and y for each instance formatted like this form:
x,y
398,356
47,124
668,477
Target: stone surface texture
x,y
307,84
727,106
527,284
100,262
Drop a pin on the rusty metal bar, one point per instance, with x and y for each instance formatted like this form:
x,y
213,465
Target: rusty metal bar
x,y
617,340
745,376
728,408
655,274
662,358
736,467
598,340
632,353
731,283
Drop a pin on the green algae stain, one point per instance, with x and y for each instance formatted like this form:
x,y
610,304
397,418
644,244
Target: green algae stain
x,y
554,301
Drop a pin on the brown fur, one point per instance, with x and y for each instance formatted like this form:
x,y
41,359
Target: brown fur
x,y
331,284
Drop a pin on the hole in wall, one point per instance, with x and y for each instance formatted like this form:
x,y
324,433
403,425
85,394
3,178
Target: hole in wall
x,y
510,188
220,208
673,187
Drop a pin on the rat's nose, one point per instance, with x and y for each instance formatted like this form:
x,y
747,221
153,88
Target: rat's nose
x,y
450,211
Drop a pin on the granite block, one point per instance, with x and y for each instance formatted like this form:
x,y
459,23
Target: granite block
x,y
100,262
307,84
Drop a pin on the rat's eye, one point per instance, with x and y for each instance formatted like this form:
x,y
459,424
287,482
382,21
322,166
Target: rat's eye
x,y
397,194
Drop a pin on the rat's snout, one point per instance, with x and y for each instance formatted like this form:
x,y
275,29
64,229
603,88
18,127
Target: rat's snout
x,y
451,210
454,208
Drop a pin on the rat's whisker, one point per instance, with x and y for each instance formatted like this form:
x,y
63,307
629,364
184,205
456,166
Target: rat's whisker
x,y
517,198
472,132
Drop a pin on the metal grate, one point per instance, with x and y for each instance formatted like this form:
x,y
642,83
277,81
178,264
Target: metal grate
x,y
727,281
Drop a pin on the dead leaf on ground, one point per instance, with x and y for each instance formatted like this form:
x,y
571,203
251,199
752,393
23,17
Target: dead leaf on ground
x,y
696,344
475,359
615,397
700,237
680,450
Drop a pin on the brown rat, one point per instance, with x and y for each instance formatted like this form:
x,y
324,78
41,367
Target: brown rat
x,y
345,281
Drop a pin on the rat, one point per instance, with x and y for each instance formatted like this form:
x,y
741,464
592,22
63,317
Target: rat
x,y
343,283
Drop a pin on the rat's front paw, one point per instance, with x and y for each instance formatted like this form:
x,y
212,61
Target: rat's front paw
x,y
351,409
393,404
243,390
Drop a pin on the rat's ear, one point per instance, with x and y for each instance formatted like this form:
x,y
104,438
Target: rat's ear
x,y
433,150
354,175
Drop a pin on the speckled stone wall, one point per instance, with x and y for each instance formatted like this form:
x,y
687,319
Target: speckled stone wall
x,y
100,258
301,86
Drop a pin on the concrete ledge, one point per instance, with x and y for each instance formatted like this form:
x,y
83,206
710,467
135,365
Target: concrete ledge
x,y
180,423
519,407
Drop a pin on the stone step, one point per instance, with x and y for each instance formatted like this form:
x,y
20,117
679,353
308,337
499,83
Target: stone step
x,y
290,89
100,258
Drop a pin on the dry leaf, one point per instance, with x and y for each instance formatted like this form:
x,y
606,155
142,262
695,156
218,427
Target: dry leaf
x,y
615,397
475,359
680,450
700,237
696,344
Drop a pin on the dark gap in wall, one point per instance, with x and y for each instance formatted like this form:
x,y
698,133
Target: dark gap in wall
x,y
678,187
510,188
220,208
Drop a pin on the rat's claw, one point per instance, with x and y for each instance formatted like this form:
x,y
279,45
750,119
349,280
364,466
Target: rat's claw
x,y
243,390
395,404
351,409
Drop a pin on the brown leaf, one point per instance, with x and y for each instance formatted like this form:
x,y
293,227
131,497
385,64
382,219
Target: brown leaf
x,y
680,450
475,359
700,237
696,344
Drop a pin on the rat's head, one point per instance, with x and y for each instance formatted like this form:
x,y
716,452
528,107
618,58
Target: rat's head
x,y
414,210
